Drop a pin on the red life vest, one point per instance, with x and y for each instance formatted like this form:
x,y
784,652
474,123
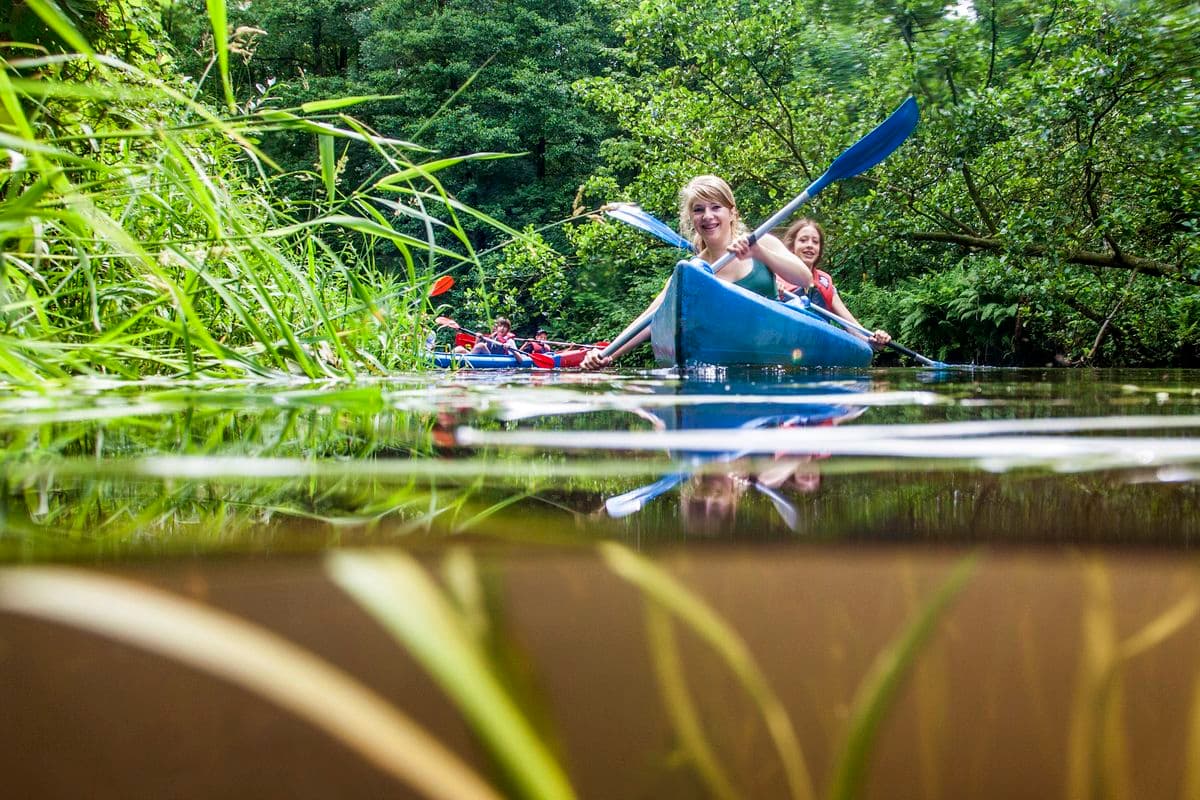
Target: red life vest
x,y
821,292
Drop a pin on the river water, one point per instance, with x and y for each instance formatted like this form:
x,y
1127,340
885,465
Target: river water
x,y
818,517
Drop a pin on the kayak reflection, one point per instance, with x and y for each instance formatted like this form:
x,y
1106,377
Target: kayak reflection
x,y
713,486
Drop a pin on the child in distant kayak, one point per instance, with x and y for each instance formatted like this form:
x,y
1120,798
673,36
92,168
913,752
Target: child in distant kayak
x,y
498,343
708,215
538,343
806,239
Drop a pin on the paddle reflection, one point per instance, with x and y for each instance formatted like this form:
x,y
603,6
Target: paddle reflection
x,y
712,487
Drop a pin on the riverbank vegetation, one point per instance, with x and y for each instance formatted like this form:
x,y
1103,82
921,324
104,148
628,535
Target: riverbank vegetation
x,y
277,200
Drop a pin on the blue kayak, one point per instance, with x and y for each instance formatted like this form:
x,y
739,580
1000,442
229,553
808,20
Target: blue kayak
x,y
567,358
704,320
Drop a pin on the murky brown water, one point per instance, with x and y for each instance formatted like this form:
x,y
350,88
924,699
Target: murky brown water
x,y
1001,702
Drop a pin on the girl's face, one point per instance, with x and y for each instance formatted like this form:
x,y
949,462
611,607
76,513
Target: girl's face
x,y
713,221
807,244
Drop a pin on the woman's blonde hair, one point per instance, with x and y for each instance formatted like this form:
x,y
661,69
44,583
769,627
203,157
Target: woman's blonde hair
x,y
789,238
706,189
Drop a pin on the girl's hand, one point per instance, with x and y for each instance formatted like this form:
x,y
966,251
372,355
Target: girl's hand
x,y
880,338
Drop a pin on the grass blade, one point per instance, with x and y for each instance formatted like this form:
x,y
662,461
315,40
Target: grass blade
x,y
219,18
880,686
328,166
703,621
401,596
256,659
664,652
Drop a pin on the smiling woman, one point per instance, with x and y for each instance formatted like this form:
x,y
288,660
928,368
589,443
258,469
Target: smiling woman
x,y
708,213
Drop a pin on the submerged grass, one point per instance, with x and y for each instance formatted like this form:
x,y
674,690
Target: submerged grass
x,y
661,588
399,594
1099,763
452,629
259,661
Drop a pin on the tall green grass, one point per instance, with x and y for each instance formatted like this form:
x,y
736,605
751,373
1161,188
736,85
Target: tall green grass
x,y
141,234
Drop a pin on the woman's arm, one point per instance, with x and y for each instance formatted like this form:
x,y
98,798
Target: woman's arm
x,y
781,261
879,337
594,360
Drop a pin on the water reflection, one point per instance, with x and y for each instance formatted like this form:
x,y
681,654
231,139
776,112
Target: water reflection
x,y
713,485
769,455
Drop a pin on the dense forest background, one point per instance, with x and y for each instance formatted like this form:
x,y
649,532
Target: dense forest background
x,y
1045,211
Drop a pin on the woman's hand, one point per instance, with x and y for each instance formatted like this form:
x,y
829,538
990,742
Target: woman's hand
x,y
879,339
743,247
595,360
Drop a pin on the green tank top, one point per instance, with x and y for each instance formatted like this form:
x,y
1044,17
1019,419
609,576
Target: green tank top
x,y
759,280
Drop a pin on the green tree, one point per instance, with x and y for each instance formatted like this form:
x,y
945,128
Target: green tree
x,y
1055,137
458,77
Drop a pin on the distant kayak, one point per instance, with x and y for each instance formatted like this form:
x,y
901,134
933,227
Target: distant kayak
x,y
567,358
704,320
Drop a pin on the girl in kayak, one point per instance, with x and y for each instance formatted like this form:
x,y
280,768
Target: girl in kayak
x,y
806,239
708,215
537,344
500,342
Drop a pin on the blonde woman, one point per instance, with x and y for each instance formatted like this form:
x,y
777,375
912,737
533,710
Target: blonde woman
x,y
708,215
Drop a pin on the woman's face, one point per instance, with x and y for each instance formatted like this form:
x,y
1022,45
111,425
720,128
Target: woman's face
x,y
713,221
501,328
807,244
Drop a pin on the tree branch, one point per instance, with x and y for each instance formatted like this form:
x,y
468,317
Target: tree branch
x,y
977,199
1089,258
914,205
992,55
1108,320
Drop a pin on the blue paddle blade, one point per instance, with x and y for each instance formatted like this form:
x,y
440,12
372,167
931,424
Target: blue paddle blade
x,y
872,148
632,214
625,504
784,507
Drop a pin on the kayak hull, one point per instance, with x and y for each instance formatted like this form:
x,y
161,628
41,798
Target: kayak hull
x,y
705,321
567,358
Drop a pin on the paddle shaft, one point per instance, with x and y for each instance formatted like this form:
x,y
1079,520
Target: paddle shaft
x,y
560,344
824,312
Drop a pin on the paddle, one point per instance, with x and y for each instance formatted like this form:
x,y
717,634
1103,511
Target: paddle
x,y
623,505
635,215
808,304
632,501
784,507
560,344
859,157
441,286
539,359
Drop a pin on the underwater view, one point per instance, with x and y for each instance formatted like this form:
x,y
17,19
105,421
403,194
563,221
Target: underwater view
x,y
729,583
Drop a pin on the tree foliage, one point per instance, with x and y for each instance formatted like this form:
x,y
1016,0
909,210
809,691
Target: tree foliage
x,y
1056,145
454,76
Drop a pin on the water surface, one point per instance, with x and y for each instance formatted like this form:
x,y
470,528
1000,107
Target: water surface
x,y
1032,456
